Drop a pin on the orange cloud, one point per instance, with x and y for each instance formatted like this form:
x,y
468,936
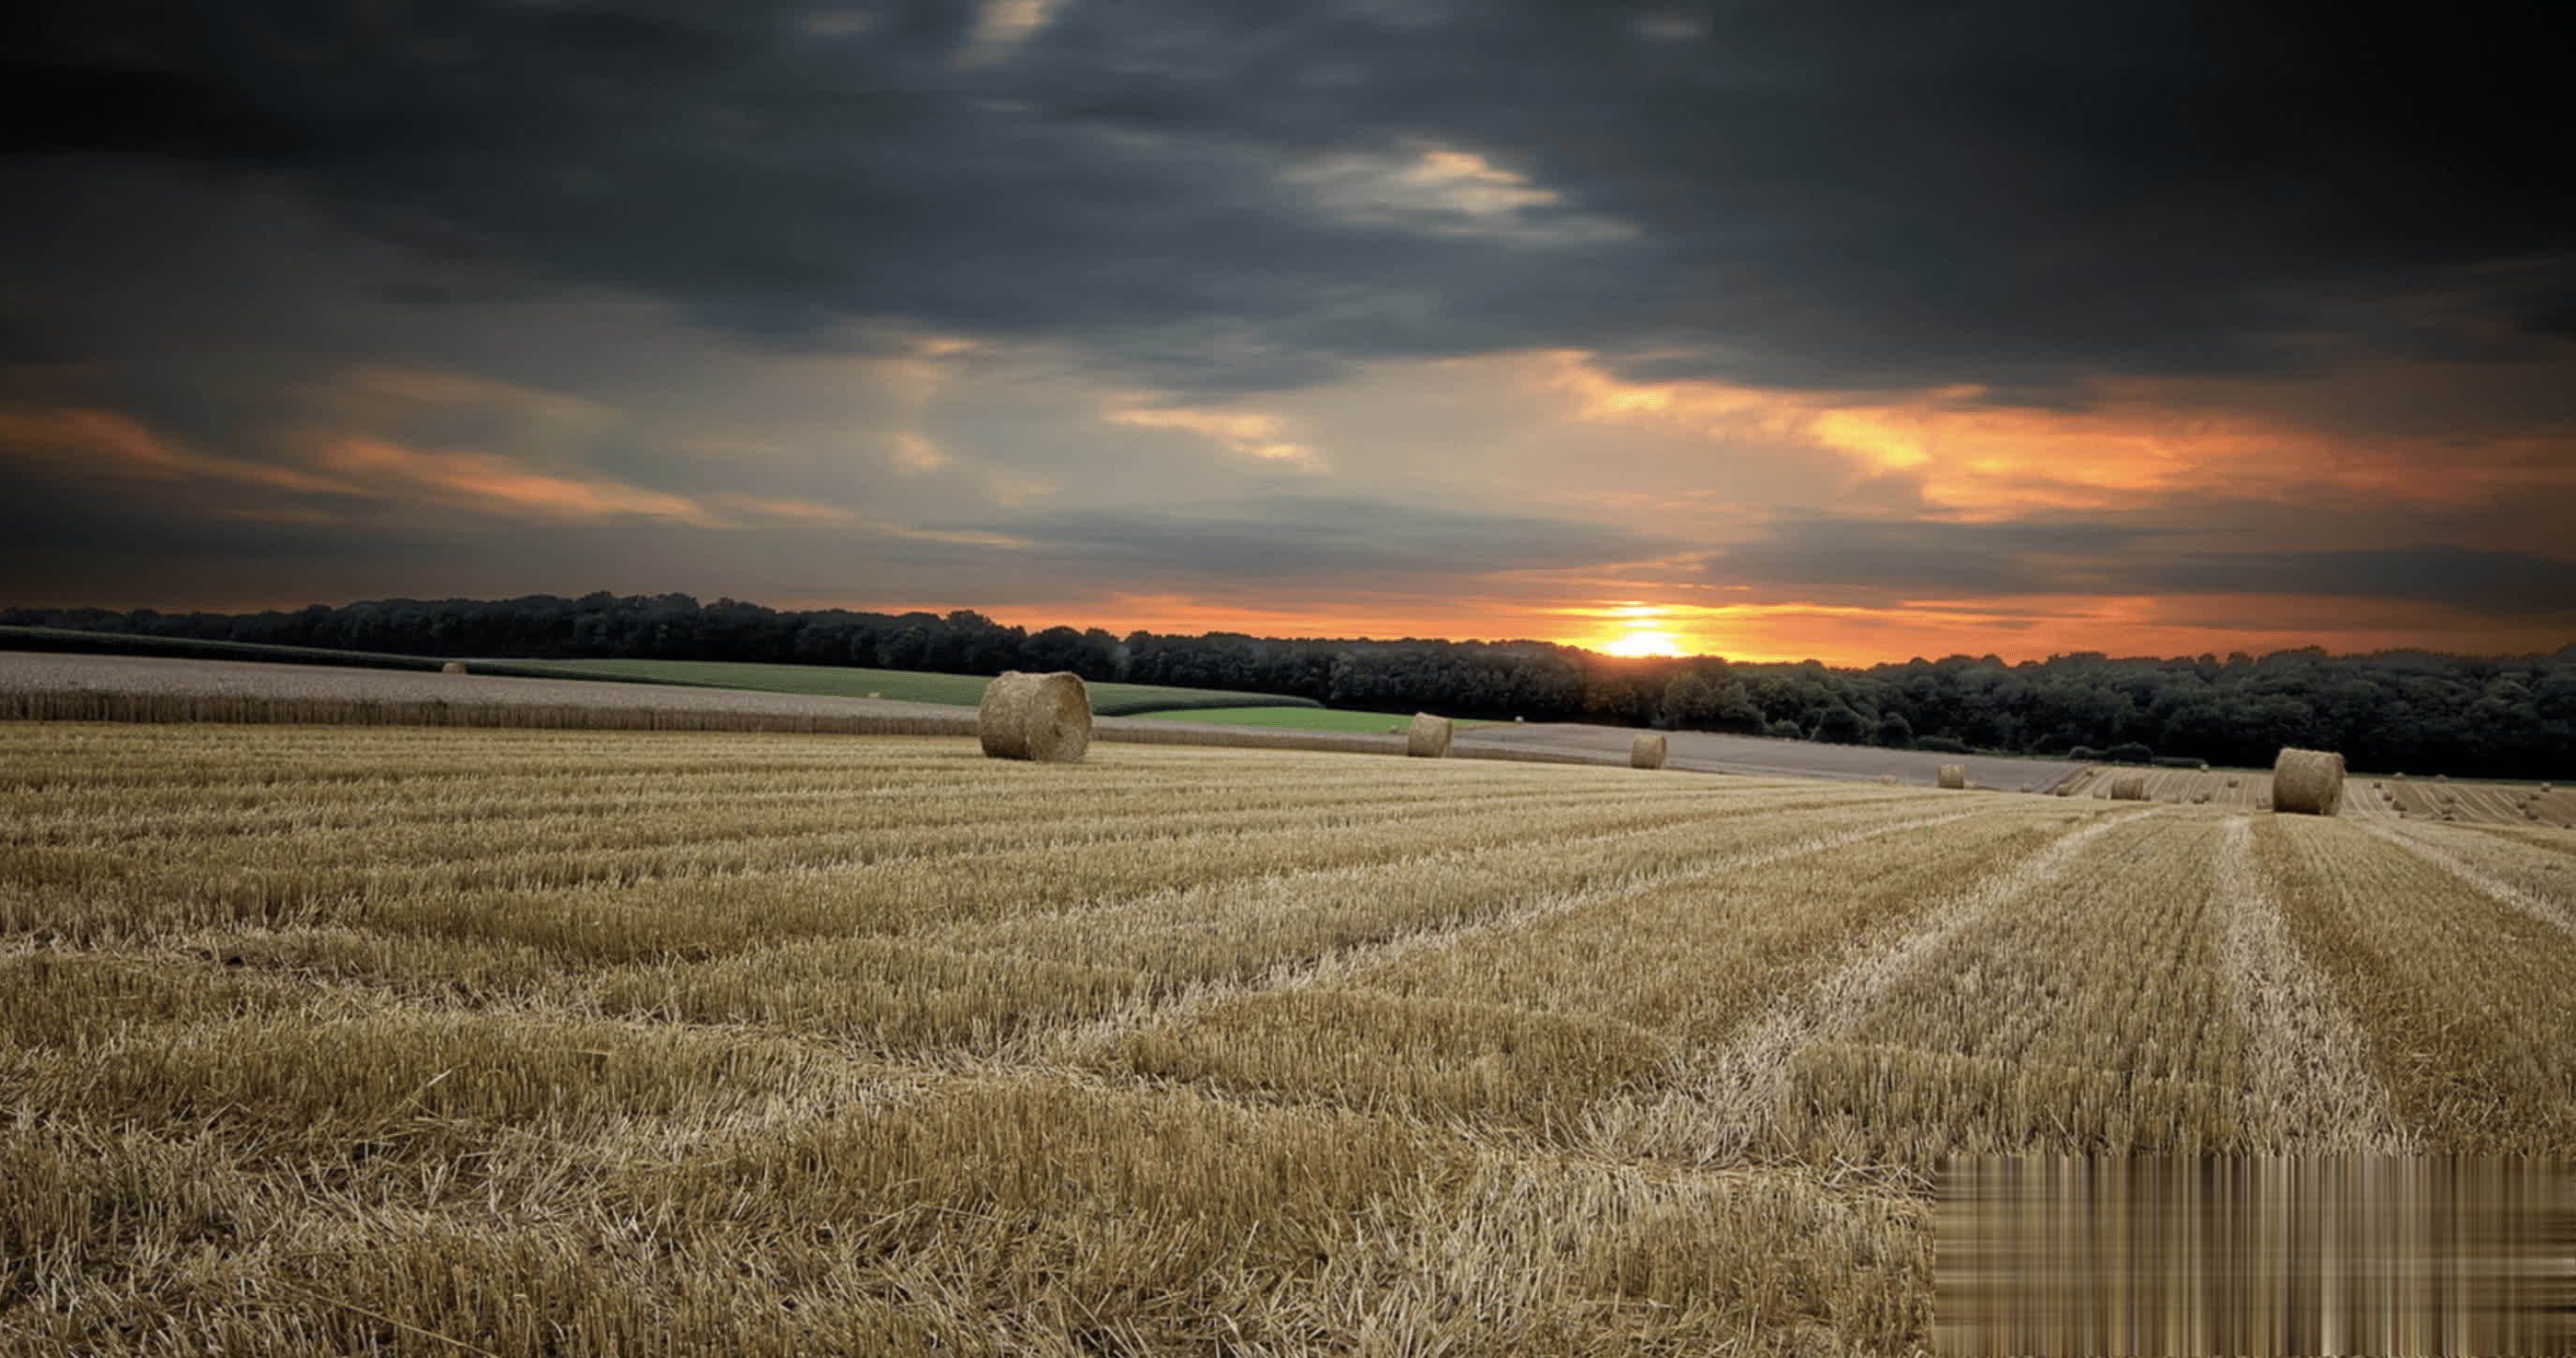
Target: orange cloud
x,y
105,442
496,484
2137,444
444,387
784,510
1244,433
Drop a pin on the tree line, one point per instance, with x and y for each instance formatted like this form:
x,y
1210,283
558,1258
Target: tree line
x,y
2464,715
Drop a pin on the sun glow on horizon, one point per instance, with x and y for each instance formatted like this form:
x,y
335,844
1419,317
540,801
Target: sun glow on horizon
x,y
1644,643
1635,630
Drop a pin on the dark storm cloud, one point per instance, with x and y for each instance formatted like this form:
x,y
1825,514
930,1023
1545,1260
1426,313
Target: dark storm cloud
x,y
1283,537
1877,561
58,544
106,547
2020,195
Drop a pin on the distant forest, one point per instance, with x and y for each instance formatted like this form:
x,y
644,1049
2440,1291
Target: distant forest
x,y
2411,711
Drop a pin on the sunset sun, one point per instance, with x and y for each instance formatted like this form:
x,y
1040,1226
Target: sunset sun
x,y
1644,643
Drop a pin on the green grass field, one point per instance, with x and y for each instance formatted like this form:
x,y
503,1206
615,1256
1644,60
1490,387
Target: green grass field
x,y
76,641
823,681
959,690
1293,718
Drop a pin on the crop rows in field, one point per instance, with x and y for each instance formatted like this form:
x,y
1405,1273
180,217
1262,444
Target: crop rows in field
x,y
372,1038
2369,797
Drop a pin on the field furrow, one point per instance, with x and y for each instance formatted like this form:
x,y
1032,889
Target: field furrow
x,y
2539,880
1696,958
1229,931
2460,998
2090,1017
2309,1089
1733,1097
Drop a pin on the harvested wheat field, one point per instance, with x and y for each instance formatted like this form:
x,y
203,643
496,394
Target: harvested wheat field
x,y
437,1041
2365,796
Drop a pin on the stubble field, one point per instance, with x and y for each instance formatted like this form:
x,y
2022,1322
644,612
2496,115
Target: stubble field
x,y
2366,797
437,1041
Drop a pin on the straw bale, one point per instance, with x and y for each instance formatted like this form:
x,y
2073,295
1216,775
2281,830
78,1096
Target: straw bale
x,y
2308,782
1428,738
1646,750
1954,776
2129,788
452,667
1042,717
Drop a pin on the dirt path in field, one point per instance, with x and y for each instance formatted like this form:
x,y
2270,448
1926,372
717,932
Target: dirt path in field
x,y
1710,752
2311,1081
1714,1113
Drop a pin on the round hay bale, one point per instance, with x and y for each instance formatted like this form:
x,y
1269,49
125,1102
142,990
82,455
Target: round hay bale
x,y
1520,718
2025,787
1042,717
1646,750
1395,730
452,667
1887,778
2441,777
2307,782
2132,788
1954,776
2231,782
1428,738
2544,787
874,694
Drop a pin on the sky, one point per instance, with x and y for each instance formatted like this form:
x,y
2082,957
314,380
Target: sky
x,y
1852,331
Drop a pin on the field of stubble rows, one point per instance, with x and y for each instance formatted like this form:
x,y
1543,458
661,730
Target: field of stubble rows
x,y
434,1041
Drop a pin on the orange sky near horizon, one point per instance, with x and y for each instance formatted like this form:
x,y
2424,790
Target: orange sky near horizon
x,y
1843,637
1708,467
